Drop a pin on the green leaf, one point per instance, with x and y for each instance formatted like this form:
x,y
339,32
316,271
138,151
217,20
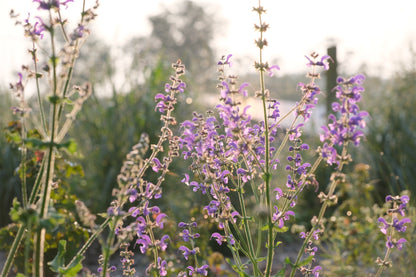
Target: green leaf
x,y
281,230
280,273
13,137
55,99
59,259
74,268
70,145
305,261
287,261
57,264
36,143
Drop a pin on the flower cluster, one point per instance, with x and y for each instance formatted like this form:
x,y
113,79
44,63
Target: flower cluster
x,y
189,236
392,227
311,90
346,128
395,225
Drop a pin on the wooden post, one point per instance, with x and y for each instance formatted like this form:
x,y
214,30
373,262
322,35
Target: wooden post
x,y
331,79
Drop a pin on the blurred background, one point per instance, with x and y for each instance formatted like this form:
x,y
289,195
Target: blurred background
x,y
128,57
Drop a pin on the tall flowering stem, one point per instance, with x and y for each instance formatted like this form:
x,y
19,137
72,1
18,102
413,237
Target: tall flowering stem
x,y
261,42
134,189
52,130
392,228
339,132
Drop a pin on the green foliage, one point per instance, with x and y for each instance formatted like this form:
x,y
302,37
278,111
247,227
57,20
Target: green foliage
x,y
391,137
9,159
353,240
106,130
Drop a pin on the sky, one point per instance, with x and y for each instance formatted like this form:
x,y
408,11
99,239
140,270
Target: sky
x,y
378,33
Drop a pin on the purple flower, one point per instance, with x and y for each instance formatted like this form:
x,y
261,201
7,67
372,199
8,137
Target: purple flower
x,y
132,193
159,220
391,243
161,265
144,242
400,243
316,270
281,218
212,207
186,252
272,69
51,4
157,165
323,62
162,244
225,61
399,225
217,237
201,270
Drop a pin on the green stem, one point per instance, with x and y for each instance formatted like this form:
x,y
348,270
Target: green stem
x,y
324,206
38,181
40,102
27,246
252,254
89,242
12,252
108,246
267,175
381,268
44,201
74,57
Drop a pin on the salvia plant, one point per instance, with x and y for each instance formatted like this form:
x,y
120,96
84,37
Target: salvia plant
x,y
233,159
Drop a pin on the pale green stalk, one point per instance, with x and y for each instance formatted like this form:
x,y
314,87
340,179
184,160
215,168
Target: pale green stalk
x,y
324,206
266,173
38,260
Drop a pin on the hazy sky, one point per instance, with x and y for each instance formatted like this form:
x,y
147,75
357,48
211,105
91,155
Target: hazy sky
x,y
376,32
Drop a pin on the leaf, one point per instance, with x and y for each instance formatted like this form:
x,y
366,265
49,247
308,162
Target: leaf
x,y
70,145
305,261
59,259
287,261
36,143
74,268
54,99
57,264
284,229
280,273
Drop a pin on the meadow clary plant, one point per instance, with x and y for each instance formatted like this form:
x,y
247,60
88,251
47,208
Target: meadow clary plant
x,y
233,154
51,75
234,161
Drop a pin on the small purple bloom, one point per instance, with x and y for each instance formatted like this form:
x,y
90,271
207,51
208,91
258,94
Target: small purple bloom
x,y
272,69
186,252
201,270
159,220
227,61
161,265
162,243
217,237
145,242
316,270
